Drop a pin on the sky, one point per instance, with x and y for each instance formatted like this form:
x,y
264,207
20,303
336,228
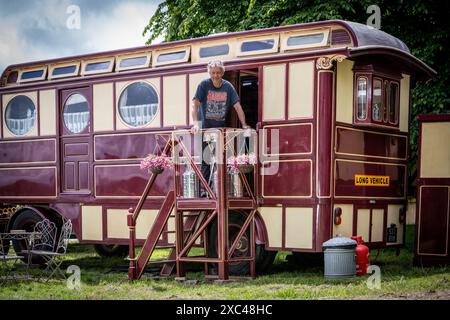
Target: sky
x,y
32,30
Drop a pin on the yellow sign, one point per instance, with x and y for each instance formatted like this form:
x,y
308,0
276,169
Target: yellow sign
x,y
376,181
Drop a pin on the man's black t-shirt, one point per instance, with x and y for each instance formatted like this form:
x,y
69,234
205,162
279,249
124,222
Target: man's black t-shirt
x,y
215,102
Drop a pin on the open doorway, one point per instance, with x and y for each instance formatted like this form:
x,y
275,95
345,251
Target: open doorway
x,y
246,84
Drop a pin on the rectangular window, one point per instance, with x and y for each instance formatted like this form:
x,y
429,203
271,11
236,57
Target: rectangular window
x,y
100,65
64,70
305,39
294,40
213,51
165,57
178,55
33,75
257,45
376,100
133,62
393,103
97,66
361,99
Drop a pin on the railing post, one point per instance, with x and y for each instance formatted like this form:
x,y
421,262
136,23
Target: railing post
x,y
222,212
132,226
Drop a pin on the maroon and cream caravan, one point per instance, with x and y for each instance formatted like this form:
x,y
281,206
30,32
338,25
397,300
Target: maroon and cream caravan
x,y
335,93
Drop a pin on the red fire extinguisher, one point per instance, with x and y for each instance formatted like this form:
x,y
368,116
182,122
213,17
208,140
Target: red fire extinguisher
x,y
362,256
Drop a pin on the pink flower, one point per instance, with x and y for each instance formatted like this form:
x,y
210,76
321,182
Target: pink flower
x,y
156,162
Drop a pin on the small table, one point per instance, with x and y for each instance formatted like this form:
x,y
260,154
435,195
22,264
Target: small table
x,y
18,235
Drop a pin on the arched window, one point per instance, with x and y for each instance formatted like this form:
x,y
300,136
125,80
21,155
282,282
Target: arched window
x,y
76,113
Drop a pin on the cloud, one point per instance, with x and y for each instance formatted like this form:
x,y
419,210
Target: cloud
x,y
37,30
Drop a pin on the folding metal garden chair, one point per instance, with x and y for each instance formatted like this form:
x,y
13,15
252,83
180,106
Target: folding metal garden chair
x,y
5,268
53,258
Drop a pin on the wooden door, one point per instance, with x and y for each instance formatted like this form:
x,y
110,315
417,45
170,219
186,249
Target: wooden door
x,y
76,140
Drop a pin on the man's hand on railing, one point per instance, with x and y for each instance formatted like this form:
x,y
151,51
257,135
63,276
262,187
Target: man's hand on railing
x,y
195,128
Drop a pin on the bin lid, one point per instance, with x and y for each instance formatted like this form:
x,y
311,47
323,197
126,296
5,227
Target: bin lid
x,y
339,242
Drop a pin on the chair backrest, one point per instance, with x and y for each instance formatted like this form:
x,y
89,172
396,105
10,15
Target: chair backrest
x,y
47,234
64,237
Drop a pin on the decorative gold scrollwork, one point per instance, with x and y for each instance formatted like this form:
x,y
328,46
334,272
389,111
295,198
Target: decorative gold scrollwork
x,y
326,62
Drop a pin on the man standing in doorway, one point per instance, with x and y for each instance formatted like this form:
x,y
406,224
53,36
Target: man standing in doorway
x,y
215,97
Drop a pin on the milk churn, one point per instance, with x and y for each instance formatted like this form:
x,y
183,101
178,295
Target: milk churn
x,y
235,185
190,183
215,180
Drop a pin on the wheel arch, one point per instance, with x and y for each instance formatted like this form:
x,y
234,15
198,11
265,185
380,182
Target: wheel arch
x,y
43,212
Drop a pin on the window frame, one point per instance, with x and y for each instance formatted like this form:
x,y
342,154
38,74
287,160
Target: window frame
x,y
119,115
120,58
41,68
386,80
85,63
157,53
52,67
241,41
285,36
31,131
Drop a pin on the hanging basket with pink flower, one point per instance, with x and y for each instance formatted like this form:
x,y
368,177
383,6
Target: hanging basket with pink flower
x,y
156,164
242,162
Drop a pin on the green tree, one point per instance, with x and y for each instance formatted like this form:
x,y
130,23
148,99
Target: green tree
x,y
422,24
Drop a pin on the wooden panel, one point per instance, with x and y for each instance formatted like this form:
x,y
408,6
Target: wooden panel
x,y
433,220
274,92
272,217
435,153
83,176
76,149
129,181
28,151
299,228
91,223
301,89
276,186
344,92
33,182
293,139
103,107
174,93
117,224
363,223
377,225
69,176
404,103
110,147
366,143
345,179
47,108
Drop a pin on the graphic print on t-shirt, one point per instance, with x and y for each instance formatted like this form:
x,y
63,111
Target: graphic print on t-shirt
x,y
216,105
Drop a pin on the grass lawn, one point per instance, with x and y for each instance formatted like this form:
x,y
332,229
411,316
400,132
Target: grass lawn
x,y
104,279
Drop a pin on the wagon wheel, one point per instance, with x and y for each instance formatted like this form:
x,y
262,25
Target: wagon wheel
x,y
263,258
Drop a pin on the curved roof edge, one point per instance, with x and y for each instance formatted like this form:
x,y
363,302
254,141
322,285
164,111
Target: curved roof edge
x,y
422,69
370,36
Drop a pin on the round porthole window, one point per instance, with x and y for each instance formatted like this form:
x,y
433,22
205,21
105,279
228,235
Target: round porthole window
x,y
138,104
76,113
20,115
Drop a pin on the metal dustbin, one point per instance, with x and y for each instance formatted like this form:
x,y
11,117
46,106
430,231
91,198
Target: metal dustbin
x,y
339,258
